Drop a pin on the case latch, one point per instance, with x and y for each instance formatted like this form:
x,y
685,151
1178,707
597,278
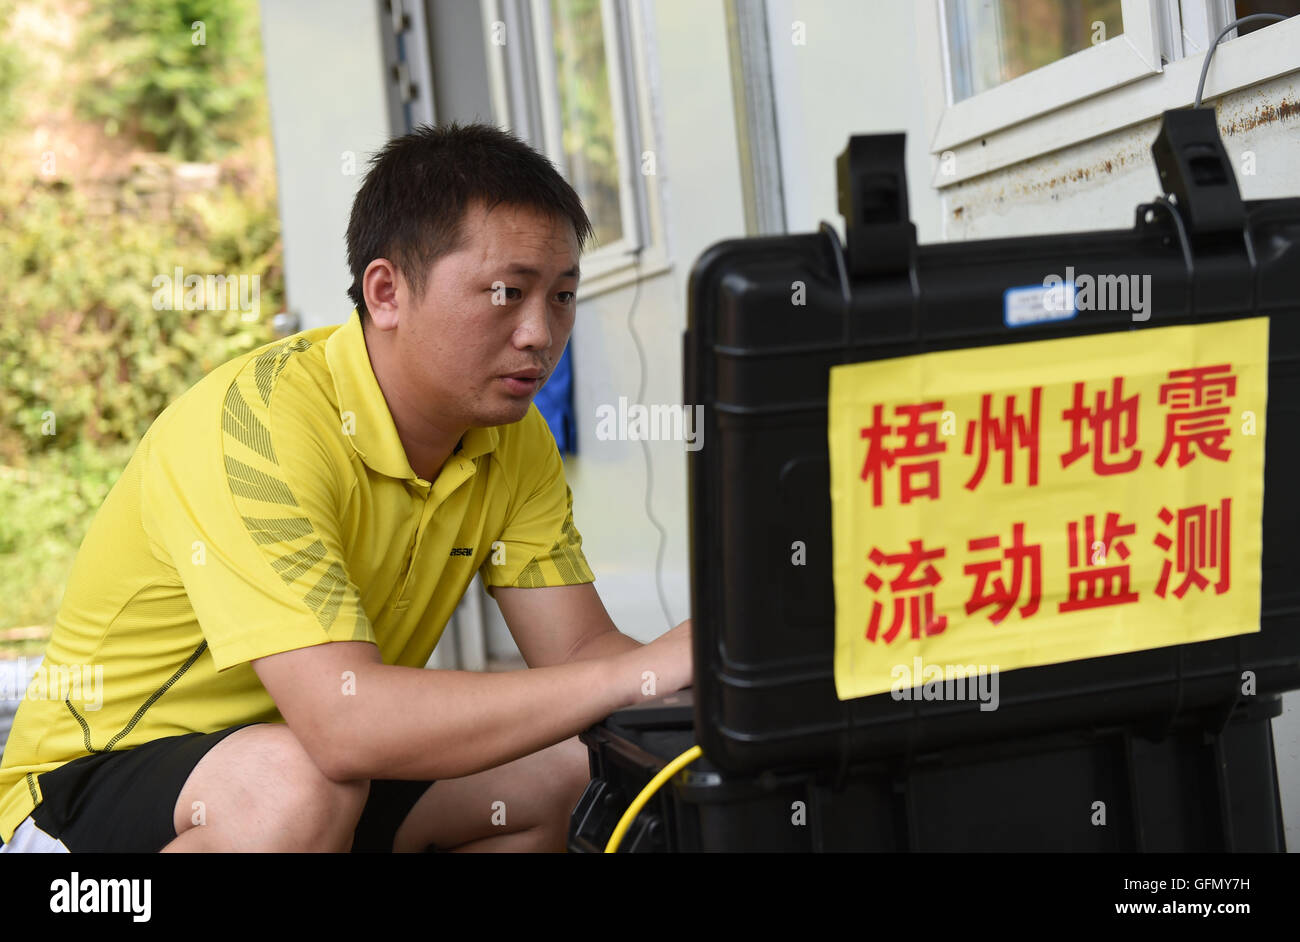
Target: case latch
x,y
1195,170
872,183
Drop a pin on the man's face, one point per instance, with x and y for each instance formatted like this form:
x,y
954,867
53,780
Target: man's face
x,y
495,316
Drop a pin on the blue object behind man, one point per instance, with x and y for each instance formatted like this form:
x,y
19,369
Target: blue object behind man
x,y
555,402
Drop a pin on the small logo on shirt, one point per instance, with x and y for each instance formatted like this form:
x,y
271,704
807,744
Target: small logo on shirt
x,y
462,551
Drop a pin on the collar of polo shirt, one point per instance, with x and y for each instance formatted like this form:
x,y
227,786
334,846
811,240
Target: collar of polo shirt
x,y
375,438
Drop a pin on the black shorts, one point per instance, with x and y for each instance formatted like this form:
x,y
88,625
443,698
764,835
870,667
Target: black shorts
x,y
124,801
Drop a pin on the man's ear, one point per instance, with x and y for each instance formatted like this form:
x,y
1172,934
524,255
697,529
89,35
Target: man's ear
x,y
379,287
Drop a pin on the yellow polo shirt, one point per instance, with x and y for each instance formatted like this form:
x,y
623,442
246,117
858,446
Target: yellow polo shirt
x,y
272,507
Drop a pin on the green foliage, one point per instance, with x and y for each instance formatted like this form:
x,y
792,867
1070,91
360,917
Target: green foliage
x,y
12,69
45,511
178,75
83,352
87,361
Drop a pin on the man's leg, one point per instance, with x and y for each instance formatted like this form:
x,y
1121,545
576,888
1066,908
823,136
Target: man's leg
x,y
259,790
523,805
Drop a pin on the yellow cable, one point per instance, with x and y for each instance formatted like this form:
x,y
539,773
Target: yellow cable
x,y
667,772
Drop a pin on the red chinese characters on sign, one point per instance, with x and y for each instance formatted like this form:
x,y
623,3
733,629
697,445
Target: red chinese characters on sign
x,y
1203,537
1197,414
1111,425
1007,577
1004,435
1098,576
1000,594
919,440
1094,584
916,608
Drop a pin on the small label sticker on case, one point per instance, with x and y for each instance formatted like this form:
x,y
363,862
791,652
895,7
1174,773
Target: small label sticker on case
x,y
1038,304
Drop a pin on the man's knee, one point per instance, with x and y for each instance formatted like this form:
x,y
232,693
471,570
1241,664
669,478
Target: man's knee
x,y
567,775
318,812
540,791
259,788
575,770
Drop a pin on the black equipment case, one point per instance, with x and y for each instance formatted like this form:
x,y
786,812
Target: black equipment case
x,y
1166,733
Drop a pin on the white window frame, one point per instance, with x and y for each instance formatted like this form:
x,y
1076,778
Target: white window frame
x,y
526,99
1132,55
1202,20
1257,57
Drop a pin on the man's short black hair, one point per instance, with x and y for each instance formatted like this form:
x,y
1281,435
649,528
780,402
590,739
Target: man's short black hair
x,y
413,200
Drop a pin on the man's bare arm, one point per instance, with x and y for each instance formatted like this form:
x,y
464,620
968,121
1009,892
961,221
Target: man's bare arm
x,y
382,721
560,624
603,645
359,718
568,624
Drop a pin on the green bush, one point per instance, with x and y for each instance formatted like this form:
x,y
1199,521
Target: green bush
x,y
157,82
45,511
87,361
13,68
83,352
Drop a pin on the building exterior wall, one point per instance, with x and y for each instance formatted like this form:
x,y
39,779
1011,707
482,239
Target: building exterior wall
x,y
324,76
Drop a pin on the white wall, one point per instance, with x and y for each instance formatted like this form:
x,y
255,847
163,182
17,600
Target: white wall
x,y
856,73
325,81
1097,184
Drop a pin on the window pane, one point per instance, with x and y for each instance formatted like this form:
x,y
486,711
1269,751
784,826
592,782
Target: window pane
x,y
1247,7
994,41
586,110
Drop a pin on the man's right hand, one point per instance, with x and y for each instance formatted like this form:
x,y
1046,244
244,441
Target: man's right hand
x,y
662,666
